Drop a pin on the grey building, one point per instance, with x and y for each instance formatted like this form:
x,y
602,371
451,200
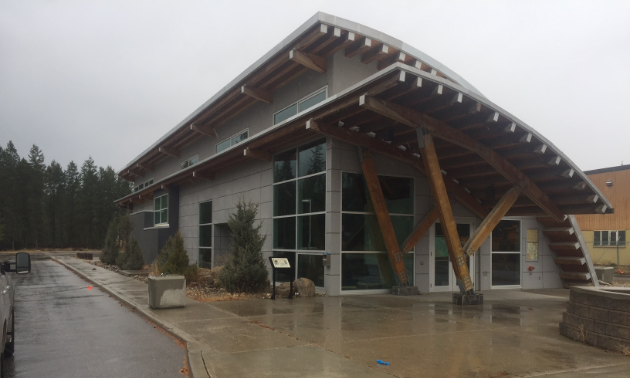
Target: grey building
x,y
296,133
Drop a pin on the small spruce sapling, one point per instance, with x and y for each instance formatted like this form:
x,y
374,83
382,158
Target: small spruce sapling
x,y
245,271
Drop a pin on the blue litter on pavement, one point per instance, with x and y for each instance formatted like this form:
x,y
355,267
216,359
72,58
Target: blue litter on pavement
x,y
382,362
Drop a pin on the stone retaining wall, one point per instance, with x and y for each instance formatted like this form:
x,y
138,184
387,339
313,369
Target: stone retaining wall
x,y
599,317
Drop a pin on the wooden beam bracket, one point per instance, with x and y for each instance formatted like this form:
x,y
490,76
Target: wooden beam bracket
x,y
169,151
257,154
257,93
314,62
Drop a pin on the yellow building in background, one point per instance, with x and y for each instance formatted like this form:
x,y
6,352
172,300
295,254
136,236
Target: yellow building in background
x,y
605,234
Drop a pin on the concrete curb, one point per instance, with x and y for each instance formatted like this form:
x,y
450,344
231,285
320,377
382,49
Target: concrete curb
x,y
194,348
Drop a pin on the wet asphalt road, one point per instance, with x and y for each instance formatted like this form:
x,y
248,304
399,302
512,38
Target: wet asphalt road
x,y
65,330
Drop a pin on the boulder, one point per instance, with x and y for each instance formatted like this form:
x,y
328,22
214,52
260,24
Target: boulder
x,y
283,289
304,287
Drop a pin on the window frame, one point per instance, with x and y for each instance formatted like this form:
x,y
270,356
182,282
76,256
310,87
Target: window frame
x,y
231,139
188,162
211,225
143,185
342,251
609,243
297,215
519,253
165,223
298,102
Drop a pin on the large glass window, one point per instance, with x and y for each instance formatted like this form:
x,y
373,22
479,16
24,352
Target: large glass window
x,y
299,206
300,106
360,231
160,210
205,235
609,238
506,253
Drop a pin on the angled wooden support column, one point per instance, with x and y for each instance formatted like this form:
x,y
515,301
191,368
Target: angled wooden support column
x,y
257,154
436,181
439,129
257,93
490,222
421,228
382,214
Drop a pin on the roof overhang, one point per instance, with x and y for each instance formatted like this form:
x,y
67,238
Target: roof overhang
x,y
322,35
482,149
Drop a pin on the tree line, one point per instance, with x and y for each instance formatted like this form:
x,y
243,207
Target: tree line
x,y
48,207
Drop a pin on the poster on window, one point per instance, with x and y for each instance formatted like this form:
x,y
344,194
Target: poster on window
x,y
532,245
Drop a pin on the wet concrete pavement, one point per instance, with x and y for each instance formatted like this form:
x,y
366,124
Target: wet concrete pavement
x,y
65,330
515,333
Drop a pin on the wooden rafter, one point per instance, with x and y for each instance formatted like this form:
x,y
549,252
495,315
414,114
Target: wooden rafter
x,y
376,54
449,227
421,228
312,61
382,214
442,130
397,57
358,139
203,175
209,131
490,222
146,167
257,154
359,47
257,93
169,151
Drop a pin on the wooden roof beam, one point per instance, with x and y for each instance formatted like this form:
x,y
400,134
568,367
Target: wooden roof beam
x,y
314,62
375,54
205,130
343,40
490,222
421,228
146,167
134,173
327,39
383,148
359,47
203,175
397,57
442,130
257,154
257,93
169,151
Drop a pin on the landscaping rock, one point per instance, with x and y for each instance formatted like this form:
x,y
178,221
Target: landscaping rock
x,y
283,290
304,287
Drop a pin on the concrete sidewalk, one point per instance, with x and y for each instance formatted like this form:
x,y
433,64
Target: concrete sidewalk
x,y
515,333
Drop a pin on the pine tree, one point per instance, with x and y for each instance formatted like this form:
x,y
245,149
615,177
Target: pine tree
x,y
109,254
173,258
245,271
35,200
135,260
71,222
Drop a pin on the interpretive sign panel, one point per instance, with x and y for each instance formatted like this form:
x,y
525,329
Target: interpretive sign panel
x,y
280,262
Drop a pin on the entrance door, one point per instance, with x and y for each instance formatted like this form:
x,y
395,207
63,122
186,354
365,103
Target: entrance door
x,y
443,277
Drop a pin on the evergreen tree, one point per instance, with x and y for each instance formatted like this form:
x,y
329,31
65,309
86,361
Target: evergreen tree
x,y
173,259
54,189
87,204
245,271
134,260
35,196
73,184
109,254
10,197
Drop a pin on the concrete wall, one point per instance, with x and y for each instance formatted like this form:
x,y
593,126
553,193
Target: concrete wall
x,y
250,181
150,238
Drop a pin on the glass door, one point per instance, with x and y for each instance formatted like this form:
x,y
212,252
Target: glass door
x,y
443,278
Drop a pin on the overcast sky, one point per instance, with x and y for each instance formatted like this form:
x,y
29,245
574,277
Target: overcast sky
x,y
108,78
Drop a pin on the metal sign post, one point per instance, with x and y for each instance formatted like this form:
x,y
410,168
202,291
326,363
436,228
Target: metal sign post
x,y
279,263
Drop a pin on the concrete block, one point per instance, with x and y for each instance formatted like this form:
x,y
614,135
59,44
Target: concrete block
x,y
598,314
618,317
333,201
605,273
405,290
612,343
167,291
618,331
467,299
618,305
333,223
